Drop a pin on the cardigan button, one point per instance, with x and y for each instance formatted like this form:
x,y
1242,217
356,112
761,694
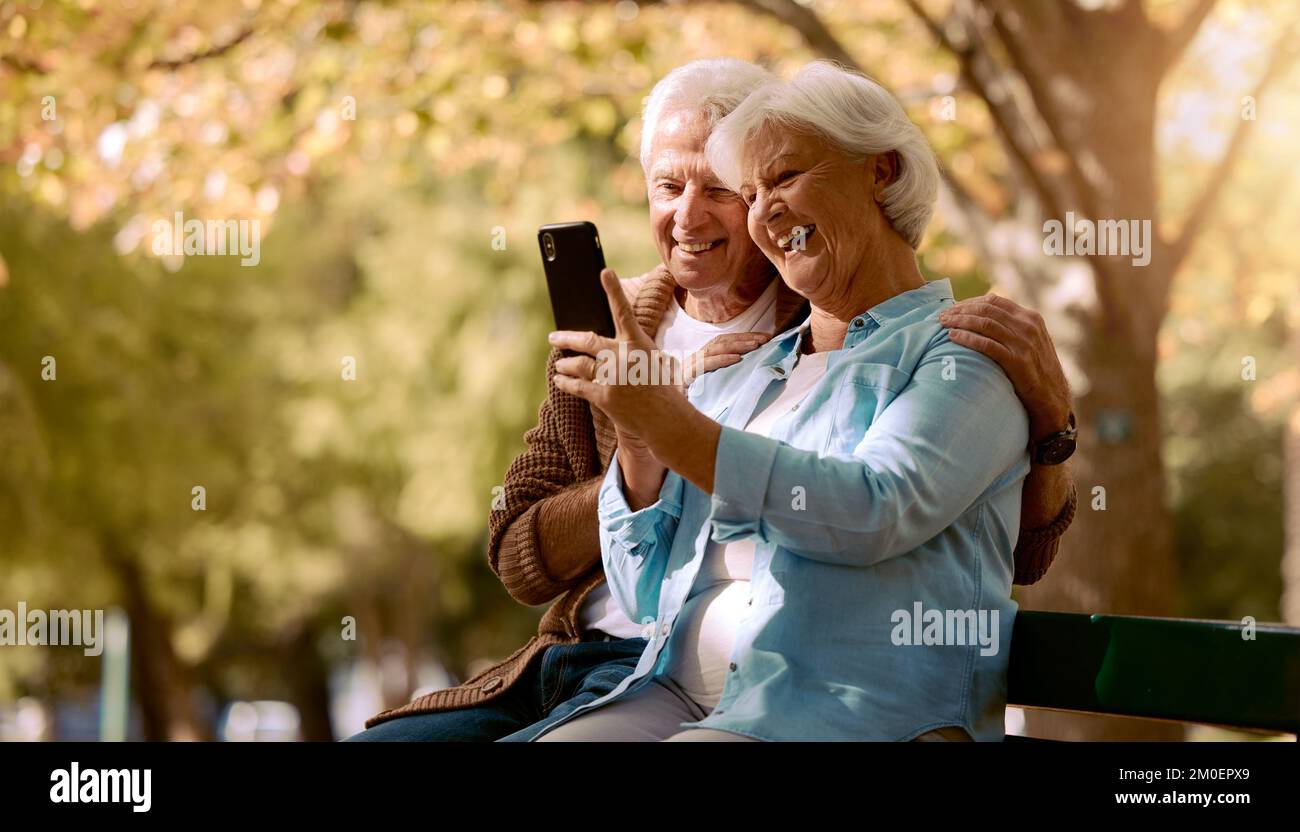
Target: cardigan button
x,y
492,684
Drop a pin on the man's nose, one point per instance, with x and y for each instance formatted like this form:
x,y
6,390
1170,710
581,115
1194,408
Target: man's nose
x,y
691,208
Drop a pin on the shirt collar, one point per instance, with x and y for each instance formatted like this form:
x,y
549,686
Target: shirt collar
x,y
862,325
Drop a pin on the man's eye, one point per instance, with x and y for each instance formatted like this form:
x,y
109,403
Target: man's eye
x,y
786,175
669,187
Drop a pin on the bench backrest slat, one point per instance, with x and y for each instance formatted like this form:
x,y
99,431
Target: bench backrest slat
x,y
1164,668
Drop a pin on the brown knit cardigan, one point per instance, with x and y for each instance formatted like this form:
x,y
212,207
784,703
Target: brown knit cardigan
x,y
550,501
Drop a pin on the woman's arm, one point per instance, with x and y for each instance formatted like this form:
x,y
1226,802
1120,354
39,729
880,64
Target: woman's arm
x,y
937,447
1018,340
945,439
636,542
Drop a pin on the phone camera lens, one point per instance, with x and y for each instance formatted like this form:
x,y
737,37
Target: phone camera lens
x,y
548,246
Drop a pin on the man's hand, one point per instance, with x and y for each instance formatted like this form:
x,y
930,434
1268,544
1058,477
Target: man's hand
x,y
722,351
1017,339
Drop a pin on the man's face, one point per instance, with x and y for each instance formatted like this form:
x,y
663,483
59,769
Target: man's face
x,y
699,226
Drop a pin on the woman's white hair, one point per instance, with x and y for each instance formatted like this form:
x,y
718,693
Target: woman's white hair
x,y
852,112
712,87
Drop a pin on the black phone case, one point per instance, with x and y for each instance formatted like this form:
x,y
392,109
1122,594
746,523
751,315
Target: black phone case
x,y
573,270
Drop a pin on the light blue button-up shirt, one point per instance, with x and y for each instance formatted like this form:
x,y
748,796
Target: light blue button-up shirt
x,y
884,512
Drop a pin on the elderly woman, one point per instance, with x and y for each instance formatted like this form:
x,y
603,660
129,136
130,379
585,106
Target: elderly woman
x,y
822,535
715,297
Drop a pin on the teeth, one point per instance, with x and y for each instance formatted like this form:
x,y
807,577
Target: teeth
x,y
804,230
694,247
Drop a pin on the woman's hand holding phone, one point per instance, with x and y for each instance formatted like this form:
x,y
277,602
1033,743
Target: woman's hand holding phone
x,y
637,399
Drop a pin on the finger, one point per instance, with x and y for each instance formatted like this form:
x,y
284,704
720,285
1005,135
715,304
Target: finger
x,y
625,324
1004,303
581,388
715,362
577,366
1008,310
735,342
975,306
987,346
988,327
588,343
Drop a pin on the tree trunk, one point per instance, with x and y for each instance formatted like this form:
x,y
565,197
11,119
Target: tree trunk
x,y
1118,556
158,675
1291,518
308,677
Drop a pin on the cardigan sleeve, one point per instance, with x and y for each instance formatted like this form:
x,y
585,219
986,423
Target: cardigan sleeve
x,y
1036,548
549,499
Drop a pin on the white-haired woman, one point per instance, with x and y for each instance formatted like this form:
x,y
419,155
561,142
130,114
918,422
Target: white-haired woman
x,y
821,536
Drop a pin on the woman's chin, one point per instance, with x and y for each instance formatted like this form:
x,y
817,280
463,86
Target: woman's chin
x,y
800,273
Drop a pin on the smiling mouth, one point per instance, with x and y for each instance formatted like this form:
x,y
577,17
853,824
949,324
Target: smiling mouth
x,y
798,234
695,248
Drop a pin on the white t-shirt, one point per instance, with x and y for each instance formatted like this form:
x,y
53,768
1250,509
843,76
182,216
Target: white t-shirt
x,y
706,631
677,331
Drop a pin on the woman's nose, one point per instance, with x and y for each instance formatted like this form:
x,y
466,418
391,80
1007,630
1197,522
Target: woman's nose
x,y
766,208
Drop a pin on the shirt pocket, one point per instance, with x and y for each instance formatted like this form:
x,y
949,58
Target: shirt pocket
x,y
864,393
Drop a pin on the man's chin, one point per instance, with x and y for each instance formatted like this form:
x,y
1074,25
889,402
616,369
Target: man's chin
x,y
691,277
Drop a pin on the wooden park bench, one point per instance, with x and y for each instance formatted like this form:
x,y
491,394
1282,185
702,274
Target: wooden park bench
x,y
1157,668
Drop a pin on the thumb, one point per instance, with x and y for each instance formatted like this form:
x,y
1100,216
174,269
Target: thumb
x,y
624,320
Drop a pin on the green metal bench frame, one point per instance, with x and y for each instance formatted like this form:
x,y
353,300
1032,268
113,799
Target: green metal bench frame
x,y
1157,668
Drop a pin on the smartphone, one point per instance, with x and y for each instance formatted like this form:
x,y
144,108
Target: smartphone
x,y
573,260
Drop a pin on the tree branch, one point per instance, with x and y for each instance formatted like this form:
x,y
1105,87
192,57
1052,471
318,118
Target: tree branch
x,y
204,55
809,26
23,65
1033,76
1179,37
1284,53
1006,119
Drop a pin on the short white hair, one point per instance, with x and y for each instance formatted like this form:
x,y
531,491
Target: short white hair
x,y
712,88
853,113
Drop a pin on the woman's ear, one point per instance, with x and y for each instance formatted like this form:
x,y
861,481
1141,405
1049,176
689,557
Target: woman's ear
x,y
884,172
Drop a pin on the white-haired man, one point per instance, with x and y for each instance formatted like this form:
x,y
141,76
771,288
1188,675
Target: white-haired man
x,y
714,297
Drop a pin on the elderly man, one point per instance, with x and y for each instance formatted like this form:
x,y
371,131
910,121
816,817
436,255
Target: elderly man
x,y
715,297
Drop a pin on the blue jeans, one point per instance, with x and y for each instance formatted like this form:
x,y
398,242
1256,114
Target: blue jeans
x,y
563,678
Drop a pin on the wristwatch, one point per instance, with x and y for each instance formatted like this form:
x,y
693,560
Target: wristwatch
x,y
1058,447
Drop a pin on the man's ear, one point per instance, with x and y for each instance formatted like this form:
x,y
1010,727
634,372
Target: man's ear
x,y
885,168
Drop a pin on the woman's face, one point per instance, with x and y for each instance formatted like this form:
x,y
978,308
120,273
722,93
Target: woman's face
x,y
812,208
698,224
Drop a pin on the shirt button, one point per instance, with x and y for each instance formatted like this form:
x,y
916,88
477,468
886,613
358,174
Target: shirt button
x,y
648,631
492,684
857,323
664,630
732,666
